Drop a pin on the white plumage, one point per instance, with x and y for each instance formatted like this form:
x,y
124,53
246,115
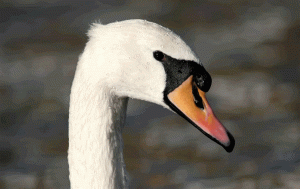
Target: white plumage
x,y
117,63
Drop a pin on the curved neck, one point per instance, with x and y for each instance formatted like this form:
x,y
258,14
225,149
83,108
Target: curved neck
x,y
95,137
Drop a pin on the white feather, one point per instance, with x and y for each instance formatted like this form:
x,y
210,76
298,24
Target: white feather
x,y
117,63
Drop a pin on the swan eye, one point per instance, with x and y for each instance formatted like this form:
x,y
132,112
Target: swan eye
x,y
158,55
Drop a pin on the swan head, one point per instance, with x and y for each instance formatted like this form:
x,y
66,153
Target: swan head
x,y
143,60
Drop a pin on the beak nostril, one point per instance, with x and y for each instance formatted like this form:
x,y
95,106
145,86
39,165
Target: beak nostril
x,y
197,98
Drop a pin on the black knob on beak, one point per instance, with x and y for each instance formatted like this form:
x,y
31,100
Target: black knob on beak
x,y
202,78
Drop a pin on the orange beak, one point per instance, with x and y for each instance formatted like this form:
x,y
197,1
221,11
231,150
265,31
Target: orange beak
x,y
190,102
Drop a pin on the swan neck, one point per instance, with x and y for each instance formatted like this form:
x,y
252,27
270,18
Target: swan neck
x,y
95,137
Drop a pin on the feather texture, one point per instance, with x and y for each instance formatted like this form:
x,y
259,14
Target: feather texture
x,y
117,63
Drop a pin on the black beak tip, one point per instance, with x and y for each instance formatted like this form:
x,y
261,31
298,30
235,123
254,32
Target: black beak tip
x,y
230,145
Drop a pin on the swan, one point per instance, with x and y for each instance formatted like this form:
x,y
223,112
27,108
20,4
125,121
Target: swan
x,y
137,59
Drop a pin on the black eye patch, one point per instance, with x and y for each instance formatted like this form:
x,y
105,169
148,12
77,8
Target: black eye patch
x,y
178,71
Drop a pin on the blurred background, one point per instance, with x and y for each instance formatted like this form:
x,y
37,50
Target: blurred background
x,y
250,47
